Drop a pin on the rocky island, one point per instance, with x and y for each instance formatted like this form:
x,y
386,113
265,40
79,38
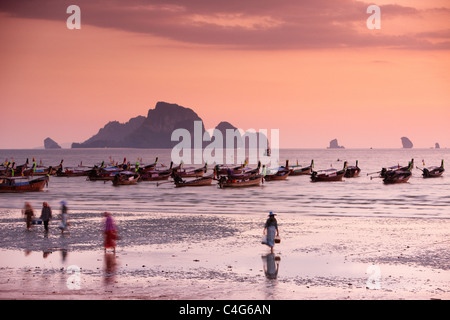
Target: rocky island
x,y
406,143
51,144
335,145
155,130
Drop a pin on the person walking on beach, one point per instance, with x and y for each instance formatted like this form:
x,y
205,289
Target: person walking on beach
x,y
64,224
110,232
46,215
28,212
270,230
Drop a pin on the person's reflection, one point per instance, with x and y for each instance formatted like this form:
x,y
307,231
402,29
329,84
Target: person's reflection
x,y
63,247
110,267
64,253
271,265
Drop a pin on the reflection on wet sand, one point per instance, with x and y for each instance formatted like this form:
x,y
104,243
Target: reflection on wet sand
x,y
110,267
271,265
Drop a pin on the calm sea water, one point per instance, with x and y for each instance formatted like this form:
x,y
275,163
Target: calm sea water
x,y
360,196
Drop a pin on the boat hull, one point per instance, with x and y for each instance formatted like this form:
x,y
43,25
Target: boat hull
x,y
352,172
204,181
277,176
397,177
255,181
300,172
327,177
13,186
436,173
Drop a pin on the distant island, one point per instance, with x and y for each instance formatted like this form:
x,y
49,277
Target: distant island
x,y
406,143
153,131
51,144
335,145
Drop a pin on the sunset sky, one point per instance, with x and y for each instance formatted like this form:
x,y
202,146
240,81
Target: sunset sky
x,y
311,69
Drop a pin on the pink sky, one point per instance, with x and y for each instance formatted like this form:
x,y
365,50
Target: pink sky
x,y
311,69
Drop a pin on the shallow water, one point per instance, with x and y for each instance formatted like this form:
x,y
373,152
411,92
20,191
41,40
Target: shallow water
x,y
360,196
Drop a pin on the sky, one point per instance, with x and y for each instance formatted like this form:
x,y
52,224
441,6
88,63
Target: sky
x,y
311,69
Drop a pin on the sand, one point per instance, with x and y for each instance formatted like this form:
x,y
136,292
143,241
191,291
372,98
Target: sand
x,y
206,257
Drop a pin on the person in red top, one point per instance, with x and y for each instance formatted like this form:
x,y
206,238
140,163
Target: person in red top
x,y
110,232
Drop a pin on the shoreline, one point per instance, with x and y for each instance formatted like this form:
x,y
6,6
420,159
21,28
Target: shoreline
x,y
211,256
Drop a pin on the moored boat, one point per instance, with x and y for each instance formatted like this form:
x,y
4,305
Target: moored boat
x,y
198,182
102,174
225,182
328,174
40,170
352,171
397,176
191,172
276,174
434,171
125,178
21,184
298,170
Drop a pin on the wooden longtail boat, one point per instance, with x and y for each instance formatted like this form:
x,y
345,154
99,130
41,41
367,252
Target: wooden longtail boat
x,y
225,170
224,182
102,174
156,174
149,167
280,173
199,182
397,176
400,175
352,171
191,172
20,184
125,178
11,170
298,170
42,171
328,174
245,173
80,171
434,171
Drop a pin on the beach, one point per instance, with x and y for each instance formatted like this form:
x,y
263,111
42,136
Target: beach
x,y
180,256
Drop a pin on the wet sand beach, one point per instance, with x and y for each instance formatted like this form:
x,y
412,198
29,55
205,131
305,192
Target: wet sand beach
x,y
214,256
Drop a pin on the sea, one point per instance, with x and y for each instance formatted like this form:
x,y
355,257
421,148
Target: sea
x,y
364,196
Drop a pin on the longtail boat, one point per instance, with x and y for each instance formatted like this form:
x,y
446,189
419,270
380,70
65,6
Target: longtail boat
x,y
102,174
42,170
434,171
352,171
125,178
276,174
199,182
191,172
225,182
400,175
298,170
225,170
397,176
386,170
9,169
79,171
21,184
149,167
244,173
328,174
156,174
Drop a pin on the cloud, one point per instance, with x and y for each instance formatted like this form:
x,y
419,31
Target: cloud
x,y
250,24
